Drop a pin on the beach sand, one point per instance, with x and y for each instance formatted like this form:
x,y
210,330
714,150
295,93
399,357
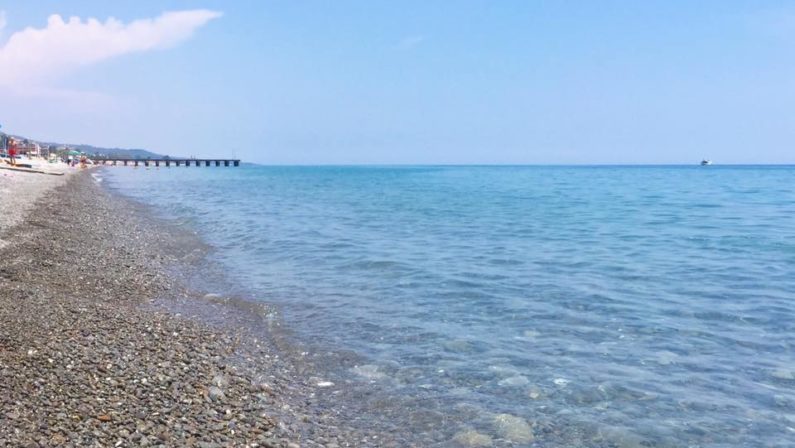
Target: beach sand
x,y
87,358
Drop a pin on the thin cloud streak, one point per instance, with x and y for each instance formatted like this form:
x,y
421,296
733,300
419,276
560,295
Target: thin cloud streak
x,y
409,42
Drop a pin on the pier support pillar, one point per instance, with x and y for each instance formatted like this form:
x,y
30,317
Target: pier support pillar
x,y
136,163
226,163
217,163
206,163
157,163
237,162
146,163
125,163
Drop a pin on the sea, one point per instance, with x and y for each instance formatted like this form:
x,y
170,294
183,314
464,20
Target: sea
x,y
621,306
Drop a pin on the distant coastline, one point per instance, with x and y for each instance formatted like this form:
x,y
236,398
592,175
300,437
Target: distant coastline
x,y
37,147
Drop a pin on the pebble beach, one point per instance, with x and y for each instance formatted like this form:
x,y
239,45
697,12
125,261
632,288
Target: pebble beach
x,y
92,353
19,192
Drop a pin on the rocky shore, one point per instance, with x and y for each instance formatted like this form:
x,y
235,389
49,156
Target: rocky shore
x,y
90,357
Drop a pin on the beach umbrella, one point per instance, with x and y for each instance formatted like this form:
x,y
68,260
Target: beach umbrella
x,y
73,153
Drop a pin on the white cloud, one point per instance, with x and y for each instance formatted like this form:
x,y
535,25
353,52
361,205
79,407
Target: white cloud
x,y
2,20
32,56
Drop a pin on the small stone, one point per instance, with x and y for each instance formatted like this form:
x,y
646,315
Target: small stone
x,y
562,382
472,438
513,428
220,381
534,393
215,393
781,400
665,357
104,418
514,381
783,374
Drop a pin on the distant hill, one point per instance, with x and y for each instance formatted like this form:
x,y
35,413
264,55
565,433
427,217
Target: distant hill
x,y
110,152
95,150
118,152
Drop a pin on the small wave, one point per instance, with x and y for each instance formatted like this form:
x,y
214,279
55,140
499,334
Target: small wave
x,y
379,265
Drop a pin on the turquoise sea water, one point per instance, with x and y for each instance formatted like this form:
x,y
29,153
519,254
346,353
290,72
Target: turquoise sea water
x,y
621,306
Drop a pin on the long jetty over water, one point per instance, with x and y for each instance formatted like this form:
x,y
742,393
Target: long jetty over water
x,y
166,162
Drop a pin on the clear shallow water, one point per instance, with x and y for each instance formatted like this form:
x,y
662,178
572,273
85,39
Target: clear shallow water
x,y
638,306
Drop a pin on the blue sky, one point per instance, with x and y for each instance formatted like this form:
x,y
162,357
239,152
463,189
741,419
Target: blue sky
x,y
348,82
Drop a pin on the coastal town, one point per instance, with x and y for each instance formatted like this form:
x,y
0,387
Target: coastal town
x,y
25,154
15,148
21,154
30,148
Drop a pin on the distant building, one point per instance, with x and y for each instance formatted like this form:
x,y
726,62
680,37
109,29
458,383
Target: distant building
x,y
29,148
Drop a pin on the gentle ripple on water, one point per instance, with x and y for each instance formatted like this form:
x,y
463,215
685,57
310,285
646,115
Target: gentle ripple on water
x,y
640,306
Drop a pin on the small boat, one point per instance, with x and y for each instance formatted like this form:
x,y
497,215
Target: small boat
x,y
706,162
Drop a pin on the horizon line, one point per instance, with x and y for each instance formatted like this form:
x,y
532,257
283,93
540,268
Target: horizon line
x,y
513,164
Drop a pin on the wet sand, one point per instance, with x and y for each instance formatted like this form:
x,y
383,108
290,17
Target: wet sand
x,y
92,354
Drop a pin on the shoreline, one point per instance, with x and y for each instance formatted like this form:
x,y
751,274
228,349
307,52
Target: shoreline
x,y
92,355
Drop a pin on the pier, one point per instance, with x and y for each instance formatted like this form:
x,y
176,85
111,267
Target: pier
x,y
167,162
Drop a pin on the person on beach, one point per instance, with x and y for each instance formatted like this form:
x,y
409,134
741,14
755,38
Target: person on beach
x,y
12,151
